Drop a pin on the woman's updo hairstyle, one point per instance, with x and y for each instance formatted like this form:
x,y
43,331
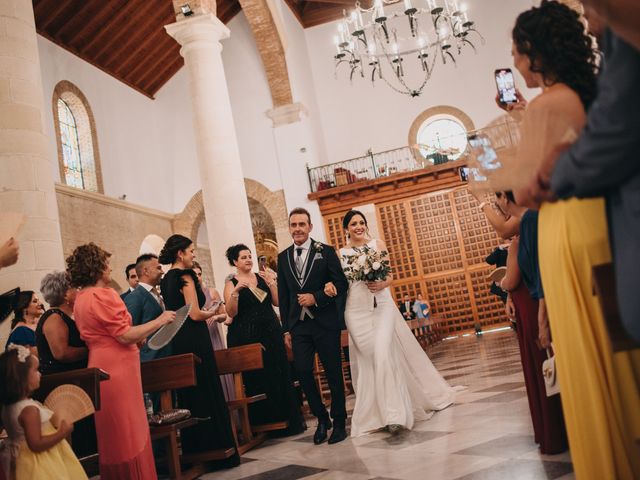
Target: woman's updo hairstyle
x,y
174,244
558,47
349,216
22,303
233,252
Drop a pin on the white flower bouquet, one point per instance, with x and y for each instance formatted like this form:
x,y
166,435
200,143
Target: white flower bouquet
x,y
366,265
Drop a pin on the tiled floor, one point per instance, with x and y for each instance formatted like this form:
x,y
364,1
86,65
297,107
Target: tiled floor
x,y
487,434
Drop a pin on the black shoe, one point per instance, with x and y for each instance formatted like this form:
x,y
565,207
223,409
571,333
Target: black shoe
x,y
321,432
339,434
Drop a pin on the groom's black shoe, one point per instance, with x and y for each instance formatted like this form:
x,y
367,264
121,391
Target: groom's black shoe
x,y
339,432
321,432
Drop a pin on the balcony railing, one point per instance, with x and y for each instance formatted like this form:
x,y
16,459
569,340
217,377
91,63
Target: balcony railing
x,y
404,159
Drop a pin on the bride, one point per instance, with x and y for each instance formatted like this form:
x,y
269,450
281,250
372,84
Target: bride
x,y
394,381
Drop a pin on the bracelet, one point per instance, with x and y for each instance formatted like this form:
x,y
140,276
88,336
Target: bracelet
x,y
234,295
271,284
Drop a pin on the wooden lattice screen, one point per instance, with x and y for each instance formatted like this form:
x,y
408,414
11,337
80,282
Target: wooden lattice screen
x,y
438,243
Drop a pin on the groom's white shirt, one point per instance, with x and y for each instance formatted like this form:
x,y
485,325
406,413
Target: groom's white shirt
x,y
306,247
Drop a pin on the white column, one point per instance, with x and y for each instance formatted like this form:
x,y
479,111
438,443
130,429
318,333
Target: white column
x,y
223,192
296,148
26,178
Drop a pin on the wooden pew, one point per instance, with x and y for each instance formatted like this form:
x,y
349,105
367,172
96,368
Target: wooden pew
x,y
162,376
235,361
89,380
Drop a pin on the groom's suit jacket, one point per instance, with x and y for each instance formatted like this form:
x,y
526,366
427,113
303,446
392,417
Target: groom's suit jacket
x,y
322,266
143,308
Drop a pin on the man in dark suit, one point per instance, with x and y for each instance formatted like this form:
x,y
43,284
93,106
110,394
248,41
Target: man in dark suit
x,y
406,308
604,161
145,303
313,321
132,279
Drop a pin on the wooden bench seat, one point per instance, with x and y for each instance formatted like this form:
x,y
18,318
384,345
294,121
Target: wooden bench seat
x,y
235,361
162,376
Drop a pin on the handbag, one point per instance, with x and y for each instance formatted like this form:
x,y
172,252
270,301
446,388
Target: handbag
x,y
169,416
551,384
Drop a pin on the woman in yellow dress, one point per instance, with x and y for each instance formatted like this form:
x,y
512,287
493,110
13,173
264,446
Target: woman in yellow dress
x,y
600,390
38,449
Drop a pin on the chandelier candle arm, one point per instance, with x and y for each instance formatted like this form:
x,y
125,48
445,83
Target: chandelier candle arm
x,y
365,36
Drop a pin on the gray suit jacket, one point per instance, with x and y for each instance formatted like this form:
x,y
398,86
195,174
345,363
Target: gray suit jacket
x,y
143,308
605,160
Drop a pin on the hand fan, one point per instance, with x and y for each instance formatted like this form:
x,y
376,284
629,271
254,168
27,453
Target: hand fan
x,y
166,333
70,403
258,293
498,274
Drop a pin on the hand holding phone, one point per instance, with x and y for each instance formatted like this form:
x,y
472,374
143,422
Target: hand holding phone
x,y
506,84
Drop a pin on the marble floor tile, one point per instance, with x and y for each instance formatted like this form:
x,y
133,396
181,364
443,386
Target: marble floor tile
x,y
502,387
508,446
503,397
521,470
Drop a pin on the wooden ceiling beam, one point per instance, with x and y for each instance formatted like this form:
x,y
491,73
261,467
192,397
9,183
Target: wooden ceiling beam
x,y
165,48
128,50
231,11
135,23
164,76
61,5
93,25
346,3
75,18
109,27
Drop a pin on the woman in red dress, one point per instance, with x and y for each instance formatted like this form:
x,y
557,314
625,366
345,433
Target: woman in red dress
x,y
124,443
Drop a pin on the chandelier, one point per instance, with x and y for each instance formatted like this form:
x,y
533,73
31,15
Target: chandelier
x,y
383,41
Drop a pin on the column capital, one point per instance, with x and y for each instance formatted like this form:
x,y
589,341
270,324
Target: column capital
x,y
286,114
198,29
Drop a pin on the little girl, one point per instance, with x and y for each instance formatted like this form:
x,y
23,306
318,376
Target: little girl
x,y
38,450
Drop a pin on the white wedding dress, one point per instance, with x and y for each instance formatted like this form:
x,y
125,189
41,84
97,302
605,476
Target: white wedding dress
x,y
393,378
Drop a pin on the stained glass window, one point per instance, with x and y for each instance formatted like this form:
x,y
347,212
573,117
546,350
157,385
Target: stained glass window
x,y
79,168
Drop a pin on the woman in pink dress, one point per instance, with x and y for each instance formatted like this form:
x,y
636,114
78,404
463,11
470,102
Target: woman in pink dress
x,y
124,444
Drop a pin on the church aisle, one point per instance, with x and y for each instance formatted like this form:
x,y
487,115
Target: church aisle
x,y
486,435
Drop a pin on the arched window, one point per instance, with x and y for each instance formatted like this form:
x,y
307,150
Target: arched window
x,y
441,134
77,139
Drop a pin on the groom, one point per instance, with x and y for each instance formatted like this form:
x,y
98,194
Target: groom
x,y
312,321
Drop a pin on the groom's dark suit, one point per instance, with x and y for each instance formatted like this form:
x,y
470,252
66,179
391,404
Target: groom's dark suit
x,y
322,332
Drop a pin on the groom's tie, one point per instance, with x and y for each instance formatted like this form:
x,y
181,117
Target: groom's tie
x,y
299,264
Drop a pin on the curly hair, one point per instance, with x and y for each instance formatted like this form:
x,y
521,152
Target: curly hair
x,y
175,243
86,265
233,252
22,303
557,44
14,377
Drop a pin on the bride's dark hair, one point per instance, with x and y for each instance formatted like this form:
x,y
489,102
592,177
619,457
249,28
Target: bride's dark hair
x,y
349,215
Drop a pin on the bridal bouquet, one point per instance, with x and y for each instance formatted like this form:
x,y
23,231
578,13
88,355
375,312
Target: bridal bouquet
x,y
367,265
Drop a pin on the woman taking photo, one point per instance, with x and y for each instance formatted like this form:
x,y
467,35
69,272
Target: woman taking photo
x,y
255,321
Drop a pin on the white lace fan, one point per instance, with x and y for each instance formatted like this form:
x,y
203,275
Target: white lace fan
x,y
70,403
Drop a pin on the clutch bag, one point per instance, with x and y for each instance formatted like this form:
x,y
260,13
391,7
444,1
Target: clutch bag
x,y
169,416
549,373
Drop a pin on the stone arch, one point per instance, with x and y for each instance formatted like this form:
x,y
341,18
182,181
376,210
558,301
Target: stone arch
x,y
152,243
264,26
188,221
87,132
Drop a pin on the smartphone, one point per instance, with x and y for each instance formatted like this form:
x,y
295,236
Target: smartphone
x,y
506,85
262,263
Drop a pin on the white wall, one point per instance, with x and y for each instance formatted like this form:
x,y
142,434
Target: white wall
x,y
139,139
355,118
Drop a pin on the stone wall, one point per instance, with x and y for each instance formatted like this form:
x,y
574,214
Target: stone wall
x,y
117,226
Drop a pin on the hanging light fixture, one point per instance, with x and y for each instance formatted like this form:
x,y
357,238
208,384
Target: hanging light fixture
x,y
386,43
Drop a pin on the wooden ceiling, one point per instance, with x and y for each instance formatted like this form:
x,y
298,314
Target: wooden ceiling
x,y
315,12
124,38
127,39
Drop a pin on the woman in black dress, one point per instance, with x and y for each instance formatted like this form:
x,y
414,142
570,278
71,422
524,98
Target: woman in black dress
x,y
255,321
180,286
